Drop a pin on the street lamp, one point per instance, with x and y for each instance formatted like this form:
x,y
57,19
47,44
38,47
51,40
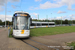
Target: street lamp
x,y
51,16
61,20
70,20
47,18
38,17
5,12
54,20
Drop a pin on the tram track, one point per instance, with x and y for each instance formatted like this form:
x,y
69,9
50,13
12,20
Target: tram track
x,y
43,44
30,44
37,48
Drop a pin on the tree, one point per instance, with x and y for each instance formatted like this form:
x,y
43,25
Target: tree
x,y
66,21
0,21
73,21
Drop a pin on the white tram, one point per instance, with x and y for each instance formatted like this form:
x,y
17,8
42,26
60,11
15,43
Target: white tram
x,y
35,24
21,24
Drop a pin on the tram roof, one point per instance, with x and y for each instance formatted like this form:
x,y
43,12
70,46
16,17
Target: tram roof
x,y
21,12
42,22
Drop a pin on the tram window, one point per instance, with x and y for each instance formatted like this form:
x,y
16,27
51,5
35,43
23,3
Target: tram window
x,y
45,24
51,24
38,24
33,24
23,23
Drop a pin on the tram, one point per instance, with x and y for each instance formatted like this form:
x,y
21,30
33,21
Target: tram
x,y
35,24
21,24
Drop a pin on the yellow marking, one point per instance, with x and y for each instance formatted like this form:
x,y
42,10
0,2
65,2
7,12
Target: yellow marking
x,y
22,32
8,27
34,26
46,26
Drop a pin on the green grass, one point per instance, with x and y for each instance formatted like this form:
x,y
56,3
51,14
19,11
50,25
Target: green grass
x,y
10,34
71,44
52,30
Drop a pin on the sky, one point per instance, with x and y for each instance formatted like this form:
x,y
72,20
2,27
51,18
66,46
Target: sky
x,y
45,9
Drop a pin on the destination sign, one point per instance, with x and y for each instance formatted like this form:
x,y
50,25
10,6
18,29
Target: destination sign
x,y
23,15
20,14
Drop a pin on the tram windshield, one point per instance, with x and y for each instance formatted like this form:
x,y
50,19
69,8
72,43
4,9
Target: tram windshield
x,y
21,23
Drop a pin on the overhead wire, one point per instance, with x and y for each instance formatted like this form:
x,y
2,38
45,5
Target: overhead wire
x,y
20,5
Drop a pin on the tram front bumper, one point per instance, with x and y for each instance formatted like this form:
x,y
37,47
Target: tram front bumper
x,y
19,36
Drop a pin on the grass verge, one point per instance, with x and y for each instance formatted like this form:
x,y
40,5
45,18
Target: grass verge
x,y
10,34
49,31
52,30
71,44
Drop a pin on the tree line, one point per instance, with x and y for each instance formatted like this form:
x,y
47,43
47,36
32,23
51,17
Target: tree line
x,y
56,21
7,22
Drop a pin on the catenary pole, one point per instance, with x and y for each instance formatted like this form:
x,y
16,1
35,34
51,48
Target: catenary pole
x,y
61,20
38,17
5,12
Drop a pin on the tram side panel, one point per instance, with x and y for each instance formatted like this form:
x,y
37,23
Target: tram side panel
x,y
37,25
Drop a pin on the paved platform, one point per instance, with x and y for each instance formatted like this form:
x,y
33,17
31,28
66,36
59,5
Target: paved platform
x,y
7,43
3,39
16,44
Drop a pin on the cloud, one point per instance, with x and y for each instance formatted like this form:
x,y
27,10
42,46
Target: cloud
x,y
57,3
73,18
69,17
69,3
34,14
72,9
1,9
59,12
61,17
33,8
9,11
48,4
3,2
72,15
38,0
14,7
8,17
14,0
58,17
